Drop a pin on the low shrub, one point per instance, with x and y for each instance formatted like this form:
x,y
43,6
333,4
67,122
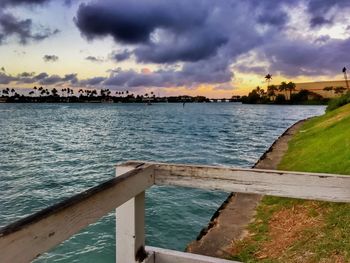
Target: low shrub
x,y
338,102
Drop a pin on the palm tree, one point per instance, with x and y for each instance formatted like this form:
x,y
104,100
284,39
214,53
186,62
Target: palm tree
x,y
268,78
271,91
54,92
257,89
283,87
291,87
260,91
346,78
5,91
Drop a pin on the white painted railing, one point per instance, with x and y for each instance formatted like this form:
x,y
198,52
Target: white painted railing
x,y
28,238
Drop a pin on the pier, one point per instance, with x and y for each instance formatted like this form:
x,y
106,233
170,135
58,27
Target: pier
x,y
28,238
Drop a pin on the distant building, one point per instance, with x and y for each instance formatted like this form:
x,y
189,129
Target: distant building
x,y
318,87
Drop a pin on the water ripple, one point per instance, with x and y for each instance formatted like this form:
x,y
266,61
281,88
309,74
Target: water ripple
x,y
52,151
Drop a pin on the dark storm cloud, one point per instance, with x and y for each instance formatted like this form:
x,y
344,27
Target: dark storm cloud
x,y
199,34
46,79
94,59
209,36
50,58
251,69
121,56
22,2
91,81
192,32
318,21
54,79
70,77
22,29
318,7
191,74
41,76
31,78
274,19
30,2
134,21
186,49
293,58
26,74
6,79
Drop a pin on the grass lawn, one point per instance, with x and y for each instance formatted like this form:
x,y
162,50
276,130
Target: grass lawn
x,y
290,230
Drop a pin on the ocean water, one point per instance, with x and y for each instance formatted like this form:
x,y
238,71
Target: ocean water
x,y
49,152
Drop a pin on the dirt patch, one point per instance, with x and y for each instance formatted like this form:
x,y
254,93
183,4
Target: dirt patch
x,y
334,259
287,226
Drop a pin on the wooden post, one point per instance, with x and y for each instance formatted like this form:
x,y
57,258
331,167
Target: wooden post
x,y
130,231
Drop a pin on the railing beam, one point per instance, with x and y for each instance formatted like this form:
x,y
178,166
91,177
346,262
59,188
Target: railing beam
x,y
312,186
26,239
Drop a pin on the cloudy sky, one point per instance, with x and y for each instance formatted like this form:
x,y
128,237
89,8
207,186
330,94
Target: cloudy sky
x,y
215,48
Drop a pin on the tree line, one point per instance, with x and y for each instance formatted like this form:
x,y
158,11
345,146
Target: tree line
x,y
41,95
284,93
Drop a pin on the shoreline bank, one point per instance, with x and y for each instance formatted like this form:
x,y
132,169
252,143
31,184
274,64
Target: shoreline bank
x,y
229,223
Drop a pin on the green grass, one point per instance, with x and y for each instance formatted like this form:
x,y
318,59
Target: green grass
x,y
321,145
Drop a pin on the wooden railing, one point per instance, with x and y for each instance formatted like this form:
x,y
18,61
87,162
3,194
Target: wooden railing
x,y
28,238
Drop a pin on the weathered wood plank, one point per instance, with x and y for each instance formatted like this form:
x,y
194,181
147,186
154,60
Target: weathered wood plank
x,y
162,255
130,227
28,238
314,186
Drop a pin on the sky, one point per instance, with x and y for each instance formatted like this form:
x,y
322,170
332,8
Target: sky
x,y
215,48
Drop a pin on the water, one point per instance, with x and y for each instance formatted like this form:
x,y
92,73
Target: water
x,y
49,152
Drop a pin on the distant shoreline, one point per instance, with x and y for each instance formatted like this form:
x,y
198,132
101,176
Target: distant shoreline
x,y
113,99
